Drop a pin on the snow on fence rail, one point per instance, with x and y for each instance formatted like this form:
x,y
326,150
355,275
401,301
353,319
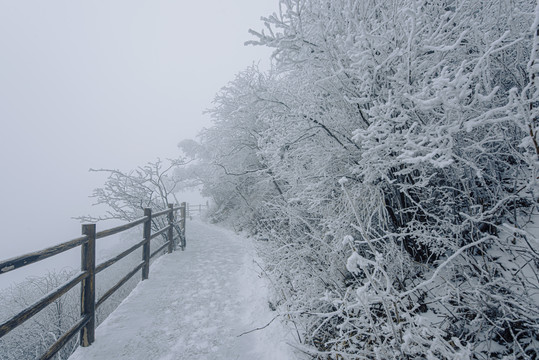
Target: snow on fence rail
x,y
86,324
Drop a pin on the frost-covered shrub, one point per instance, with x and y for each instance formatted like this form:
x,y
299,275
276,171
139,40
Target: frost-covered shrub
x,y
388,166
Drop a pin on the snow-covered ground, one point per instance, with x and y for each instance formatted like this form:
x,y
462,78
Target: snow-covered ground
x,y
195,305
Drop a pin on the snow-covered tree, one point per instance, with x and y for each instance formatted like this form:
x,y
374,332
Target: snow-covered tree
x,y
127,193
389,158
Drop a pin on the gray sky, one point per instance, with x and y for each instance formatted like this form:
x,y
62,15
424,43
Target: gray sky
x,y
112,84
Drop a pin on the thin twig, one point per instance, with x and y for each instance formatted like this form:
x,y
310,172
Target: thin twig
x,y
260,328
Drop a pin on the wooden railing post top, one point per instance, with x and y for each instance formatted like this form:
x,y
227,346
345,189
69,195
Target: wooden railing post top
x,y
147,211
88,229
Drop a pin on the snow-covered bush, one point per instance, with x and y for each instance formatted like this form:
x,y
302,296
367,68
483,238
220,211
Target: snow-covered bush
x,y
34,337
388,164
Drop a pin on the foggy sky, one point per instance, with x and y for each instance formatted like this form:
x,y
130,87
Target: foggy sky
x,y
103,84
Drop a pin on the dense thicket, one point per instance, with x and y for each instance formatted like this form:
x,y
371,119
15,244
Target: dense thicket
x,y
388,164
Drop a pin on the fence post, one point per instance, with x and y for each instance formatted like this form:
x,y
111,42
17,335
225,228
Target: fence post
x,y
182,222
147,232
170,236
87,290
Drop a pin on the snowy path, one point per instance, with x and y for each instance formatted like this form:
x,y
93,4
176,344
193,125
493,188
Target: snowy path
x,y
194,306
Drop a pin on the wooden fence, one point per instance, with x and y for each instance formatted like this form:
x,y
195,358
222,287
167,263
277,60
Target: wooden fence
x,y
197,209
86,277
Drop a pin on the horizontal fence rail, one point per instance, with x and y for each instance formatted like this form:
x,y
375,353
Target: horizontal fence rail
x,y
121,228
196,209
27,259
85,326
